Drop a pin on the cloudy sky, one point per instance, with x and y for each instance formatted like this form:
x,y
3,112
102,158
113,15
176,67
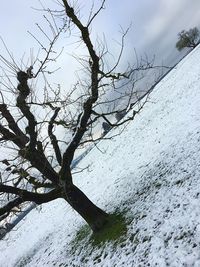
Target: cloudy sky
x,y
155,24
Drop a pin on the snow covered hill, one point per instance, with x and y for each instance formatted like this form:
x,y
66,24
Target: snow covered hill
x,y
150,173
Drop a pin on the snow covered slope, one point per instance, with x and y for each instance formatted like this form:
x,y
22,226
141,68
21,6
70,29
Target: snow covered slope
x,y
151,171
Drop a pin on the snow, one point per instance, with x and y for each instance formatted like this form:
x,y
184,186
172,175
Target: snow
x,y
150,171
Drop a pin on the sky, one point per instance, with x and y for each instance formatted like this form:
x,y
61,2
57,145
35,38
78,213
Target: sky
x,y
154,26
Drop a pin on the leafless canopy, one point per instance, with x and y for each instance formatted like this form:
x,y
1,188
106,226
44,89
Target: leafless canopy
x,y
43,124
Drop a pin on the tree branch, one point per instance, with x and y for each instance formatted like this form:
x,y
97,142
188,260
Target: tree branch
x,y
9,136
96,13
87,106
12,124
30,196
24,91
40,162
53,138
7,209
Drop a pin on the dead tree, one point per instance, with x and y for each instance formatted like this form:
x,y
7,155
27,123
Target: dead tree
x,y
41,130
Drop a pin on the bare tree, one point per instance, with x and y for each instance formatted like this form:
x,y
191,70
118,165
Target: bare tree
x,y
42,129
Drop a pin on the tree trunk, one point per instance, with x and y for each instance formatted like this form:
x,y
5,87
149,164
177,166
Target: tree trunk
x,y
94,216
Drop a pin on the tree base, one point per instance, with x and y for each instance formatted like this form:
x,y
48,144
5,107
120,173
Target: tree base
x,y
93,215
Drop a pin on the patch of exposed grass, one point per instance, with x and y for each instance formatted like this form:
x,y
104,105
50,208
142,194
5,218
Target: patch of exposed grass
x,y
82,234
114,231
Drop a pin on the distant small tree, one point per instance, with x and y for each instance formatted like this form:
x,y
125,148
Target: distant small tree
x,y
190,38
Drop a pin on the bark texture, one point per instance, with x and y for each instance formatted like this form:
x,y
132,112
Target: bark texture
x,y
93,215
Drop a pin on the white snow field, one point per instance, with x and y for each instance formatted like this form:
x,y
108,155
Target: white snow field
x,y
151,173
